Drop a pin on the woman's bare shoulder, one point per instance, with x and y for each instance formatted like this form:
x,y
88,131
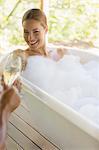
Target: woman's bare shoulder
x,y
18,51
24,56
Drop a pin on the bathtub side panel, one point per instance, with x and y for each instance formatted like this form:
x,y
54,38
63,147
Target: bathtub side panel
x,y
56,128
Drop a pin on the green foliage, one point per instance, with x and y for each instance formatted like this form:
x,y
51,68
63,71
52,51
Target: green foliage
x,y
67,20
10,18
73,19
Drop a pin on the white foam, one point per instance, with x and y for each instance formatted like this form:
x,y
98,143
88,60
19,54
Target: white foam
x,y
69,81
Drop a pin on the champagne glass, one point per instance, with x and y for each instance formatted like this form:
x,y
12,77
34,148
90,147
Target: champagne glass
x,y
12,69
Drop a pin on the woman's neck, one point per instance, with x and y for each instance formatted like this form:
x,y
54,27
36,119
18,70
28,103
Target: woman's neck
x,y
42,51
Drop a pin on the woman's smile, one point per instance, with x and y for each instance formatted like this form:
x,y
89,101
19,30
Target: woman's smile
x,y
33,44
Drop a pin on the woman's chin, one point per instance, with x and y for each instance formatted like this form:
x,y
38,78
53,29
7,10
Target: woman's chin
x,y
33,47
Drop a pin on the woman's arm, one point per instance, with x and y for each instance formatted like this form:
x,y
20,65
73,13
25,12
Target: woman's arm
x,y
23,55
9,101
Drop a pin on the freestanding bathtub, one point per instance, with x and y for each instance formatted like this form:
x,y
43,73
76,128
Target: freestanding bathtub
x,y
58,122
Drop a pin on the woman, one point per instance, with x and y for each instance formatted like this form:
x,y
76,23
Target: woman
x,y
35,28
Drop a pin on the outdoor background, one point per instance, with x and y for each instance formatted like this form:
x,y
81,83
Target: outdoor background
x,y
71,22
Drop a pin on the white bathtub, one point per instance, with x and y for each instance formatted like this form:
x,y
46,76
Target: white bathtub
x,y
58,122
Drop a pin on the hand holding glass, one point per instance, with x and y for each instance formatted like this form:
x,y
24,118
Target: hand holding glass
x,y
12,69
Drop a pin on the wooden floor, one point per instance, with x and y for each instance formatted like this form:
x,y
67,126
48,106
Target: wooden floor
x,y
22,136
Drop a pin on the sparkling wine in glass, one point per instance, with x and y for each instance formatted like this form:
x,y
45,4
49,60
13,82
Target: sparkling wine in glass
x,y
12,69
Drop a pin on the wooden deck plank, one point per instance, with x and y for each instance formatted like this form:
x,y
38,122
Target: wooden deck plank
x,y
21,139
24,113
12,145
31,133
21,129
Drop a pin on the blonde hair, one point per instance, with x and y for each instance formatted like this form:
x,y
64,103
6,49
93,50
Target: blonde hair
x,y
35,14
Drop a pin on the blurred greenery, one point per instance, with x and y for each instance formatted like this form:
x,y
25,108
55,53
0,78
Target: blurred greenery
x,y
68,20
74,19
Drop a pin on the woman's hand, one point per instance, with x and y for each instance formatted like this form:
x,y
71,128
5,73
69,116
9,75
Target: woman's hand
x,y
9,96
61,52
17,84
9,100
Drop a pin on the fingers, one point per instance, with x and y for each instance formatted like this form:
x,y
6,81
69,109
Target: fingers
x,y
3,83
61,51
18,84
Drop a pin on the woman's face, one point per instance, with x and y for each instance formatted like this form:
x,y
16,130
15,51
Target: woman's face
x,y
34,34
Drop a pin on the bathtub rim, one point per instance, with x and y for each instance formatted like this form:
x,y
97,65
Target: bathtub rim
x,y
62,109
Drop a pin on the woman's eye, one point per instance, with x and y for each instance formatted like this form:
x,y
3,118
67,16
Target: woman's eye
x,y
26,32
36,31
